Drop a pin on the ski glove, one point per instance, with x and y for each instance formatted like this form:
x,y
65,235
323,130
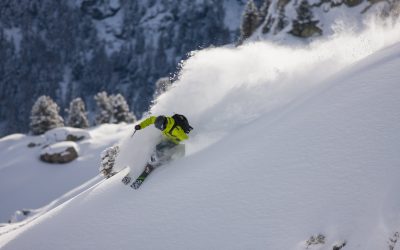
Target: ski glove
x,y
137,127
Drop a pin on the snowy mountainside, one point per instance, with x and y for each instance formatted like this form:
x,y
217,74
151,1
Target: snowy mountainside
x,y
282,150
28,183
284,21
95,45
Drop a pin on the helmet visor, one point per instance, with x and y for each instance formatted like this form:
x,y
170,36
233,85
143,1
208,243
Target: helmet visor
x,y
161,122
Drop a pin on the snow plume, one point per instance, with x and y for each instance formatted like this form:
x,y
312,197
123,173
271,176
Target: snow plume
x,y
220,89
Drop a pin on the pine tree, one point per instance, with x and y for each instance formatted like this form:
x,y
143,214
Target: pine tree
x,y
162,85
304,25
108,157
282,19
120,110
250,20
395,9
77,116
104,108
45,116
264,10
304,13
112,109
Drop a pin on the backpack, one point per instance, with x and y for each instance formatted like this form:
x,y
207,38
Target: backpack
x,y
181,121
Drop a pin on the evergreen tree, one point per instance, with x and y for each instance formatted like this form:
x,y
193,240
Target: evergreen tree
x,y
304,25
112,109
77,116
120,110
392,10
282,19
264,9
250,20
45,115
304,13
395,9
104,108
162,85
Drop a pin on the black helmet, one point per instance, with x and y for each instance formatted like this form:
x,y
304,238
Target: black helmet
x,y
161,122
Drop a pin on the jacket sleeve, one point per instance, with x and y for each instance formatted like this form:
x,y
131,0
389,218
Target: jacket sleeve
x,y
148,122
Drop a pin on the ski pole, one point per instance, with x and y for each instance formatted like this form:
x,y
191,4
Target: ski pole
x,y
133,133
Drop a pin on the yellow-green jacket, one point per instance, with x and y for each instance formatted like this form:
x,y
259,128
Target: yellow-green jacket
x,y
175,135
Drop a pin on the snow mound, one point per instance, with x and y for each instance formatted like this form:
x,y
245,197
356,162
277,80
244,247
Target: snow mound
x,y
60,147
66,134
27,183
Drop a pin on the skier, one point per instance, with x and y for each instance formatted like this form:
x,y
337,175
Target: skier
x,y
174,130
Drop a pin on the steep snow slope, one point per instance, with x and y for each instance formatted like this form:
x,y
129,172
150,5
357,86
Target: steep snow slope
x,y
261,173
28,183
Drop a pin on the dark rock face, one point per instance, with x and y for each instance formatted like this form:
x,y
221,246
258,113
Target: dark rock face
x,y
306,30
72,137
66,156
352,3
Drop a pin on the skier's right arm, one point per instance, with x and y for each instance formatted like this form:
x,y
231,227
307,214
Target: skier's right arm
x,y
146,122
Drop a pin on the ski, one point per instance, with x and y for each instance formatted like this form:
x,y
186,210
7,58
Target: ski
x,y
138,182
110,173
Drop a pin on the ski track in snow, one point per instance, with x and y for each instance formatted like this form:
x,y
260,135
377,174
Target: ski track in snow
x,y
85,188
33,183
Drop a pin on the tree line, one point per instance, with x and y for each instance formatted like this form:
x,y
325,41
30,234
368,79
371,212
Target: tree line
x,y
45,113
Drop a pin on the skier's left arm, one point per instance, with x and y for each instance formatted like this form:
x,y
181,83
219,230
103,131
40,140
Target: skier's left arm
x,y
146,123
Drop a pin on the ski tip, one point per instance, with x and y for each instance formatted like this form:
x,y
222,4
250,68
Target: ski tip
x,y
125,168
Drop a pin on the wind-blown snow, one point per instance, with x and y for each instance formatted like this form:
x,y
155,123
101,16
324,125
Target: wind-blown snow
x,y
222,89
289,142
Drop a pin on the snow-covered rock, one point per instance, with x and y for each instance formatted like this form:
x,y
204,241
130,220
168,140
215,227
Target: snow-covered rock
x,y
60,152
108,157
32,181
20,215
66,134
